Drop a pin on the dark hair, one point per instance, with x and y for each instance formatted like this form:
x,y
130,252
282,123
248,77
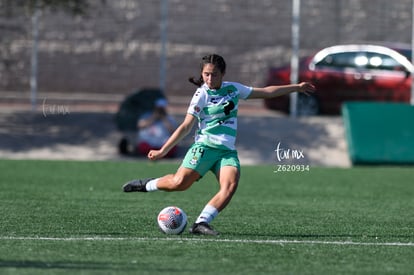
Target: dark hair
x,y
214,59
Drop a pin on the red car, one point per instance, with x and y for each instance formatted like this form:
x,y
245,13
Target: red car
x,y
348,73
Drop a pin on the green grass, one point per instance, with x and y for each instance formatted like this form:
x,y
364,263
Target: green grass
x,y
60,217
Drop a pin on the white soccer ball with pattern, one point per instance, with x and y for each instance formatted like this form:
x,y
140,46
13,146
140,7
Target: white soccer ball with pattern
x,y
172,220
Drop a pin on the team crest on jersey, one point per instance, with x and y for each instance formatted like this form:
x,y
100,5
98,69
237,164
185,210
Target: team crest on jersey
x,y
194,160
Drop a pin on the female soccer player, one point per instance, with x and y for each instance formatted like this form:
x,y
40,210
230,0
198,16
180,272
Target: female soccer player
x,y
214,106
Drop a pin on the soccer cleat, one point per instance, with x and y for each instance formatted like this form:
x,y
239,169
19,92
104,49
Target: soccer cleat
x,y
203,228
136,185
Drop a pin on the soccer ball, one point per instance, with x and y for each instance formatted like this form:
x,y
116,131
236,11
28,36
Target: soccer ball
x,y
172,220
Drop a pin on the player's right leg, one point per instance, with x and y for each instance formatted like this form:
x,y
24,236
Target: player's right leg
x,y
180,181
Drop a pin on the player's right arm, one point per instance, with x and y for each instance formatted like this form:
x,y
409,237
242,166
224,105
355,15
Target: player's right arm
x,y
182,131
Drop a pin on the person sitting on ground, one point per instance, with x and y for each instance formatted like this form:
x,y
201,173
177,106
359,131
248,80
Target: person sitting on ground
x,y
154,129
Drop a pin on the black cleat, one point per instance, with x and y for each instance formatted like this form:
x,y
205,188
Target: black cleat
x,y
203,228
136,185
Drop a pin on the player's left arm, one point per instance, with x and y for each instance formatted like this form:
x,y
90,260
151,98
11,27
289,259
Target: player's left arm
x,y
275,91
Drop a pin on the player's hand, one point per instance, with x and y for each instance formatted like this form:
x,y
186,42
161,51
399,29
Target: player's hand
x,y
306,88
155,154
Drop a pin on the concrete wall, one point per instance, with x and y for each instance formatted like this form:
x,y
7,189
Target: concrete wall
x,y
116,47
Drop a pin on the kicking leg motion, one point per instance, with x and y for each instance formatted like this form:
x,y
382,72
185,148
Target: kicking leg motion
x,y
227,176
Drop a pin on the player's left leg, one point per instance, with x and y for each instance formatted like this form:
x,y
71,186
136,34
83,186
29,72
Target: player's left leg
x,y
228,177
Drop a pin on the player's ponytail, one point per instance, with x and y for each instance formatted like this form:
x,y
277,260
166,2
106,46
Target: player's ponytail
x,y
214,59
195,81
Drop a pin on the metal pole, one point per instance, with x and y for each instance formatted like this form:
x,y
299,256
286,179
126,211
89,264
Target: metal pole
x,y
412,53
294,64
34,57
164,40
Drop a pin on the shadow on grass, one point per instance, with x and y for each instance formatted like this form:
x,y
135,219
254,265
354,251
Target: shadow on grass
x,y
97,266
64,265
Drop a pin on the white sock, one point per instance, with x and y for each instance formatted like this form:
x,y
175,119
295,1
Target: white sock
x,y
152,185
208,214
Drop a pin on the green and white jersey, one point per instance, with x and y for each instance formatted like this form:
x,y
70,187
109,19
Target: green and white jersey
x,y
216,111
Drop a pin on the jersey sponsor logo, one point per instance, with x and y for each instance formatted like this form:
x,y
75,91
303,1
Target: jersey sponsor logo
x,y
215,100
226,122
228,106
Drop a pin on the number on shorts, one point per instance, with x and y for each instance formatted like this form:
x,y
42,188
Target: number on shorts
x,y
199,151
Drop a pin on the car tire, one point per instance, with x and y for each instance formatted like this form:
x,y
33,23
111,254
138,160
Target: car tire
x,y
307,105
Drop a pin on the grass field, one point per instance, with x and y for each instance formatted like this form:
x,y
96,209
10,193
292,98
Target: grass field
x,y
67,217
